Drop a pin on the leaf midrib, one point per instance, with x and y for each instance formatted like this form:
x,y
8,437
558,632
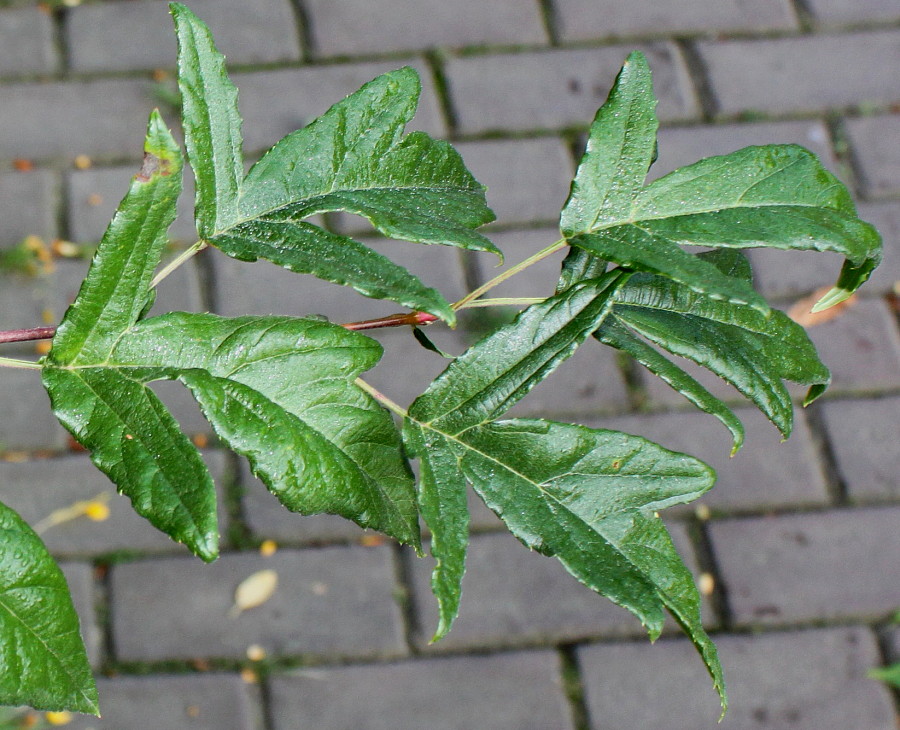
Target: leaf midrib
x,y
374,188
550,498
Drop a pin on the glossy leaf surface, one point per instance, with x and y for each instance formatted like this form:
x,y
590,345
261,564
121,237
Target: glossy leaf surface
x,y
41,652
355,158
586,496
753,352
778,196
130,434
212,123
279,390
257,379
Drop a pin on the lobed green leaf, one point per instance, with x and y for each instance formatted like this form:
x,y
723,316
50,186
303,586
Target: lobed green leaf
x,y
280,391
41,651
778,196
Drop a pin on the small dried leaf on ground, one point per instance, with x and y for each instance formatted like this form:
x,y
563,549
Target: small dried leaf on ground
x,y
254,591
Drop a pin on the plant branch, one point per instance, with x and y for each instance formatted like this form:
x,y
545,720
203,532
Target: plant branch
x,y
35,333
381,398
188,253
503,302
412,319
10,362
512,271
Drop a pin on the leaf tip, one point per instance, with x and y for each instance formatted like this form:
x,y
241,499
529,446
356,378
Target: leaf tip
x,y
834,296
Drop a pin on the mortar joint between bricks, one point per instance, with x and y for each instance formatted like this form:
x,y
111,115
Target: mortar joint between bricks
x,y
699,75
304,30
805,14
551,21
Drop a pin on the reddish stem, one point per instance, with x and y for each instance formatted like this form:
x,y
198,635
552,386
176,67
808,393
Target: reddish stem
x,y
35,333
392,320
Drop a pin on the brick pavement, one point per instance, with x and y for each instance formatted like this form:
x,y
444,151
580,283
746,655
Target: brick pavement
x,y
799,539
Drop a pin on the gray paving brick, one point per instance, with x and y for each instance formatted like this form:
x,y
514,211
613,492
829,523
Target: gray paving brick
x,y
168,702
278,102
263,288
804,680
27,421
26,42
588,19
93,195
108,117
527,179
861,347
519,690
36,489
332,601
79,577
27,206
839,12
803,73
511,595
396,25
873,140
821,566
138,35
560,88
679,146
863,436
764,473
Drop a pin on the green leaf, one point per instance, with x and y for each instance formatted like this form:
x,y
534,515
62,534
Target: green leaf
x,y
751,351
116,290
586,496
44,661
134,440
619,152
280,391
442,504
890,675
344,452
589,498
131,436
618,336
777,196
307,249
490,377
212,124
355,158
